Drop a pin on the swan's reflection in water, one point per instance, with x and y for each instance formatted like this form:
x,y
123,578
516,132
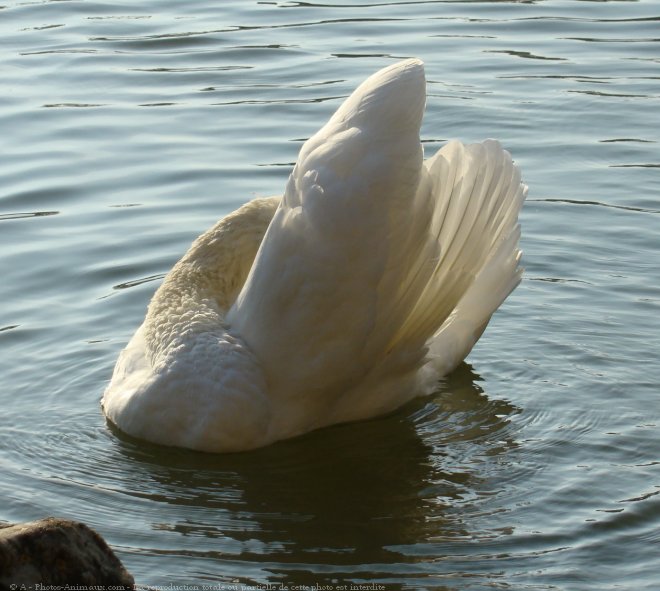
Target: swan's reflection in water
x,y
333,505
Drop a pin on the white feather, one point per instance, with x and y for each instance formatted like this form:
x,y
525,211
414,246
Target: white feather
x,y
373,275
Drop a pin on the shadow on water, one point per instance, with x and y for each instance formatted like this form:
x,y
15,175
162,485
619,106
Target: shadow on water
x,y
331,505
331,500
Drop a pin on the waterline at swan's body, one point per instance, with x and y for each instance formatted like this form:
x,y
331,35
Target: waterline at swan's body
x,y
372,276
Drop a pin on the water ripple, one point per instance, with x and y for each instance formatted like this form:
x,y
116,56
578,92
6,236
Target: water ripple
x,y
30,214
596,203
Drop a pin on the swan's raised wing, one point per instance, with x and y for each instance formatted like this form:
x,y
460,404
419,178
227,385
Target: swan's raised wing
x,y
314,307
377,262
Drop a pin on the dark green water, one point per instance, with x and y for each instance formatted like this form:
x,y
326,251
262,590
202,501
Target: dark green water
x,y
129,128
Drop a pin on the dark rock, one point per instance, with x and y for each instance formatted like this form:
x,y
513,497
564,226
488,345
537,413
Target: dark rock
x,y
57,552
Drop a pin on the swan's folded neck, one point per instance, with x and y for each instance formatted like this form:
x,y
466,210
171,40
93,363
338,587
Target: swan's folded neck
x,y
198,292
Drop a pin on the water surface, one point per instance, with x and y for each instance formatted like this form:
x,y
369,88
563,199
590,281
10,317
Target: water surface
x,y
129,128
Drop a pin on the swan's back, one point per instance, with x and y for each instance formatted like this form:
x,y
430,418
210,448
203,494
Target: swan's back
x,y
377,274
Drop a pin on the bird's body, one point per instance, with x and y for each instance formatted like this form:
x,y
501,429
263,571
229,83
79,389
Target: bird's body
x,y
371,277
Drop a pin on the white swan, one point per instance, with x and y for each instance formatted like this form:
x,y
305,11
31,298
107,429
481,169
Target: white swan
x,y
371,277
